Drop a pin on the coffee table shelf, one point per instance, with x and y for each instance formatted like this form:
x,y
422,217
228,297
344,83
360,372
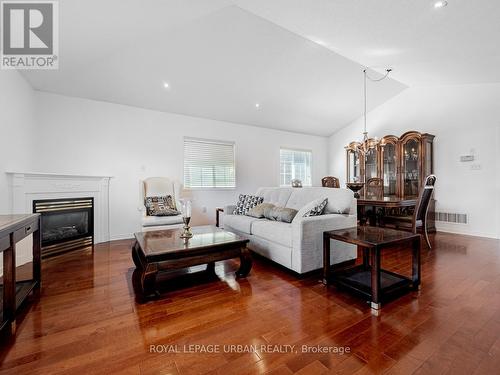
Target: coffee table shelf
x,y
359,279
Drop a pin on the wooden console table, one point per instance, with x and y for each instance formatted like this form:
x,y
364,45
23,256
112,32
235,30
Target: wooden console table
x,y
13,228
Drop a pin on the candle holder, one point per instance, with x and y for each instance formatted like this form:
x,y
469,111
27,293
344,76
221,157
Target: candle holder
x,y
186,218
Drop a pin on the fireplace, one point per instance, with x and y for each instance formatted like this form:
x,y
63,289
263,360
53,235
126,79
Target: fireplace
x,y
67,224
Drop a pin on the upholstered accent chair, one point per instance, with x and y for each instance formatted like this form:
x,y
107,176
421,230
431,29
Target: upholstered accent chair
x,y
419,218
330,181
156,187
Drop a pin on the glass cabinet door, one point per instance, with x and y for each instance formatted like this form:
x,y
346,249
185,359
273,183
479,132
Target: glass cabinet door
x,y
389,169
353,167
411,167
371,163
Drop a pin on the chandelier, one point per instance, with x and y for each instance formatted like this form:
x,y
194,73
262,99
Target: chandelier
x,y
369,143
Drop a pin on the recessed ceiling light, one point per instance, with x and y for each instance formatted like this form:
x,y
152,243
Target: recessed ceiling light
x,y
257,105
440,4
166,85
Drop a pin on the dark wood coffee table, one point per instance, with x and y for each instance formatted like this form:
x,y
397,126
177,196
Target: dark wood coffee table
x,y
370,280
164,250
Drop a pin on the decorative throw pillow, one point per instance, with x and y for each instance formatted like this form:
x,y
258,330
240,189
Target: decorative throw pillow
x,y
160,206
283,214
246,203
259,210
316,208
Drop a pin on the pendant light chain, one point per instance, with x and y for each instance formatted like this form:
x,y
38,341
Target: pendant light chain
x,y
365,146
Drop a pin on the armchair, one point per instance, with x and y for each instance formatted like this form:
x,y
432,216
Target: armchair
x,y
155,187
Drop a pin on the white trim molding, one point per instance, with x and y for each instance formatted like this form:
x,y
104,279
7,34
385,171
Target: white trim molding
x,y
25,187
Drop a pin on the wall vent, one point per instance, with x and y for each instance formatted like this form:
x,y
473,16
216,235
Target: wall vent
x,y
449,217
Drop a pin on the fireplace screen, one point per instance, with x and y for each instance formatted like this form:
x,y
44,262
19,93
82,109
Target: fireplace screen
x,y
67,224
59,226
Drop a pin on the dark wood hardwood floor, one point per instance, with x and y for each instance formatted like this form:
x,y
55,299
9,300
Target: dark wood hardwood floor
x,y
89,320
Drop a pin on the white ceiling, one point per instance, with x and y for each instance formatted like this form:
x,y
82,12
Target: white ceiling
x,y
221,57
457,44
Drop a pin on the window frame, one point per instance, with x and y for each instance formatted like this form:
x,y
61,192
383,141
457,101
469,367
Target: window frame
x,y
287,148
213,141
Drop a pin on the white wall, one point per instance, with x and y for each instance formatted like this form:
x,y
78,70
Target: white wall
x,y
463,118
90,137
17,125
83,136
497,189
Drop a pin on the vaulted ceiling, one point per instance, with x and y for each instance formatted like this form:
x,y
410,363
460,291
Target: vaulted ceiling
x,y
284,64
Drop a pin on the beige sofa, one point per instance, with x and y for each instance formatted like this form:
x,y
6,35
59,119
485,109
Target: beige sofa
x,y
298,245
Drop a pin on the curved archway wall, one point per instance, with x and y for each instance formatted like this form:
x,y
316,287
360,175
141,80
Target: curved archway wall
x,y
463,118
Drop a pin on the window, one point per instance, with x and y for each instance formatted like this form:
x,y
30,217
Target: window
x,y
295,164
208,164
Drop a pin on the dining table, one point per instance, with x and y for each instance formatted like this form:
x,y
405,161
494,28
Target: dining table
x,y
389,202
385,202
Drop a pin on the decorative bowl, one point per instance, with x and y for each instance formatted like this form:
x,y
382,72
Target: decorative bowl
x,y
355,187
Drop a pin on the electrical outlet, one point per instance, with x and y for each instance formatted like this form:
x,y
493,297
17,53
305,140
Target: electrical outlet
x,y
204,209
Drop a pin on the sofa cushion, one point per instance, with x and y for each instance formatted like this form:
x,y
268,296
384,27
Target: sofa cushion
x,y
150,221
315,208
239,222
246,203
339,200
282,214
260,210
276,196
274,231
160,206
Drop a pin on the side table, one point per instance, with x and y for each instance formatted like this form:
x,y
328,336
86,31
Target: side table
x,y
369,279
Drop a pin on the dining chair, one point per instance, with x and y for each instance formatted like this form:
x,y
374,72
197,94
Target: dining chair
x,y
330,181
374,187
419,217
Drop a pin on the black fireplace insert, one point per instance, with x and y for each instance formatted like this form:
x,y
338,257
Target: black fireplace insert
x,y
67,224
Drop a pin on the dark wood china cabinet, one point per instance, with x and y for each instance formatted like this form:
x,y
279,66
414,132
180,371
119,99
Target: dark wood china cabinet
x,y
401,162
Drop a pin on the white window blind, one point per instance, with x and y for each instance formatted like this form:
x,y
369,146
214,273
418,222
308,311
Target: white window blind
x,y
208,164
295,164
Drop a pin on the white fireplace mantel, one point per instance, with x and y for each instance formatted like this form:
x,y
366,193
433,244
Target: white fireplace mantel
x,y
26,187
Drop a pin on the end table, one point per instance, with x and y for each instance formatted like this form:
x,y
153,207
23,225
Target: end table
x,y
369,279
